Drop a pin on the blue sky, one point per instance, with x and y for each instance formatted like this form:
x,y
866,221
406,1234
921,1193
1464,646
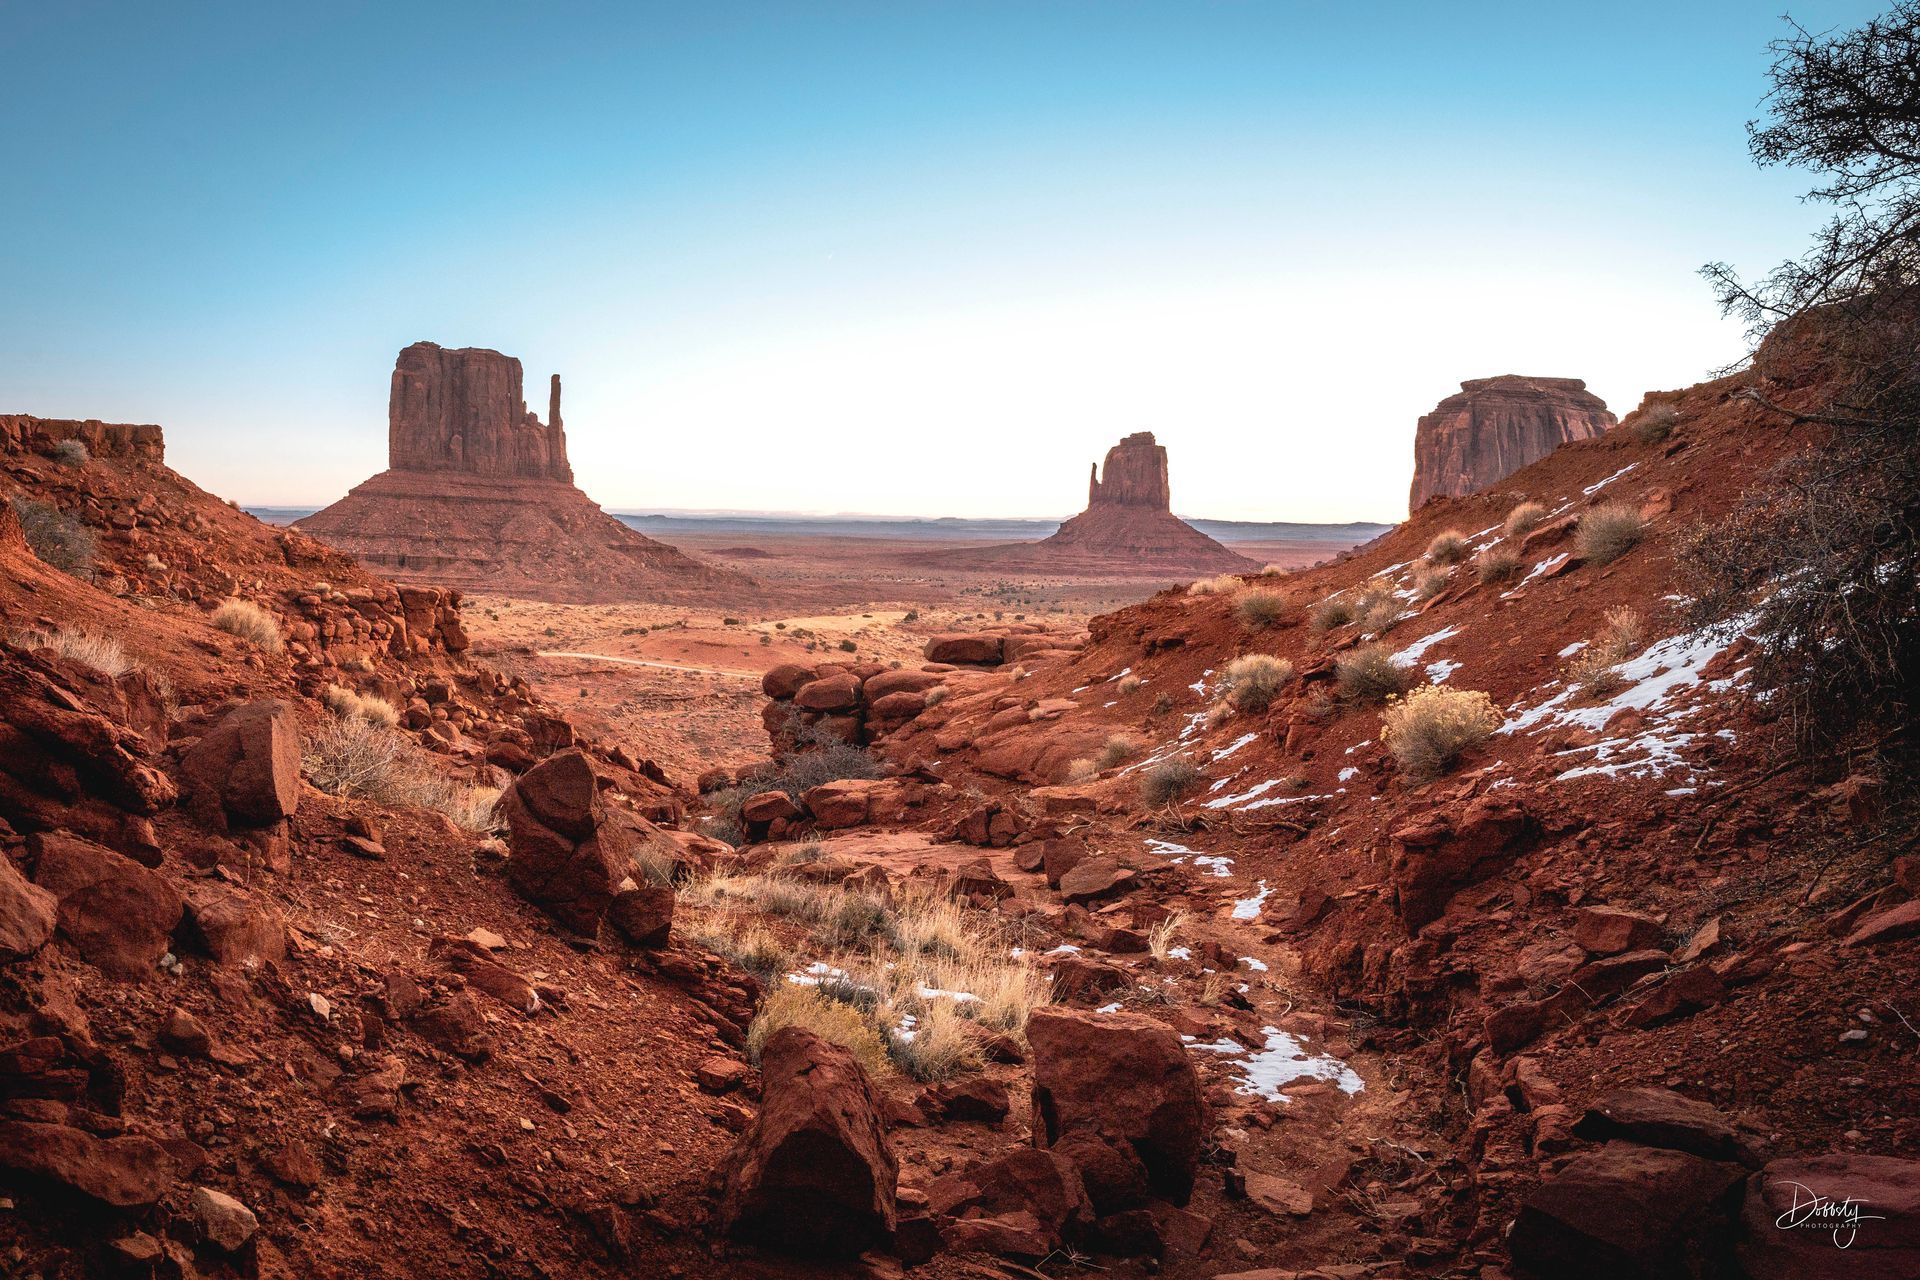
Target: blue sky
x,y
913,258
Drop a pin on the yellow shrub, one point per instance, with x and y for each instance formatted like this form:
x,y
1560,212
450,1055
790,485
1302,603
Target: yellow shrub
x,y
1429,728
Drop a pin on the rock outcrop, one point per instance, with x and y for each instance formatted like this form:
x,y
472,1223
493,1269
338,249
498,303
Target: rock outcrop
x,y
1495,426
478,493
1128,529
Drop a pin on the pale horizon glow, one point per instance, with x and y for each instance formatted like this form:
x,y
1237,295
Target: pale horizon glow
x,y
917,261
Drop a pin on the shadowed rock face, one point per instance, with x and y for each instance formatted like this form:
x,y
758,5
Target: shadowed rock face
x,y
1136,475
1495,426
464,410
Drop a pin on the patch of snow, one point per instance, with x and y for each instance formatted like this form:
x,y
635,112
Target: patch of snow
x,y
1109,1008
1235,745
1215,864
1180,953
1249,908
1254,963
1065,949
1592,489
1418,649
1356,746
1545,566
1166,848
1438,671
1572,649
1258,789
1349,773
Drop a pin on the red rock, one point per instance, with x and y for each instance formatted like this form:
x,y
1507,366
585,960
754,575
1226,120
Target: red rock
x,y
1683,994
26,913
978,879
1787,1239
973,1097
835,693
115,912
246,770
1607,931
1624,1211
1120,1081
785,680
1042,1183
1078,978
1438,853
768,806
967,650
232,927
814,1174
897,706
1655,1117
556,824
838,804
1057,857
1495,426
184,1034
1889,925
643,914
1515,1026
888,683
1278,1195
1097,879
127,1172
719,1075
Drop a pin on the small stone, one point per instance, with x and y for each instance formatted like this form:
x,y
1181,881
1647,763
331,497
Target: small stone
x,y
484,937
183,1033
223,1221
321,1006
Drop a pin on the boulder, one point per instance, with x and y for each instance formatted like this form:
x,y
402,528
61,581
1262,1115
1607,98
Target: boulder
x,y
1123,1082
839,804
246,770
768,806
833,694
27,913
116,913
785,680
1655,1117
1844,1214
814,1174
1627,1212
230,925
1096,879
1438,853
126,1172
1607,931
221,1220
966,650
567,857
643,914
888,683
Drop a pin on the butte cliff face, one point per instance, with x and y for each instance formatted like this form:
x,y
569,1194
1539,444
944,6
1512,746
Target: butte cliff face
x,y
478,494
1495,426
1128,529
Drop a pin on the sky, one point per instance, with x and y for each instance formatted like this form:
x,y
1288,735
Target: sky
x,y
909,257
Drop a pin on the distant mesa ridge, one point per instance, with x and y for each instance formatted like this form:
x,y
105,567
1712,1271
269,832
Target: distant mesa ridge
x,y
478,494
1492,427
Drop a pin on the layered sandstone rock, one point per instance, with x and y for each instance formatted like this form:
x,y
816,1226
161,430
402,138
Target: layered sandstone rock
x,y
1494,427
478,493
1128,529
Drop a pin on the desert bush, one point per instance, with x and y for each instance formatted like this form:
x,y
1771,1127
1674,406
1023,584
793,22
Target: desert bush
x,y
1128,684
1160,937
57,538
468,805
1378,610
1524,519
70,453
88,648
725,822
1497,564
1168,780
360,759
1596,668
789,1004
1224,584
1081,770
1252,681
1260,609
1271,571
250,623
829,761
1608,532
941,1043
1431,583
1117,750
1656,424
345,702
1369,675
937,695
1448,547
1334,611
1429,729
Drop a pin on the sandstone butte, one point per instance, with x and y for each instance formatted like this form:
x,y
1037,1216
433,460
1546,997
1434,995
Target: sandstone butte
x,y
1494,426
1127,530
478,494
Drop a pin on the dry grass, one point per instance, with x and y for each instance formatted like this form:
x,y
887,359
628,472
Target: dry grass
x,y
1117,750
1168,780
359,759
1128,685
1160,937
1524,519
1252,681
88,648
1369,675
1596,668
1656,424
1608,532
1224,584
1448,547
1431,583
1082,770
789,1004
1213,990
70,453
1334,611
250,623
1430,728
1260,609
937,695
1272,571
941,1042
348,704
1378,610
1496,564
